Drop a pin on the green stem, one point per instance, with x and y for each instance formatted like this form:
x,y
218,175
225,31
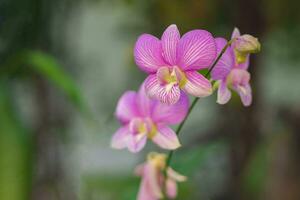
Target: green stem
x,y
196,99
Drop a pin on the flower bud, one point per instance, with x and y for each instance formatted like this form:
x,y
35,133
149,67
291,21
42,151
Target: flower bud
x,y
244,45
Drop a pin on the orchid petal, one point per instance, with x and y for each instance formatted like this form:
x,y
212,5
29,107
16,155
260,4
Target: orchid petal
x,y
224,93
171,188
136,142
196,50
175,175
148,53
226,62
239,77
197,85
171,114
119,139
150,188
144,102
245,94
145,192
127,107
239,80
151,85
166,93
170,39
166,138
236,33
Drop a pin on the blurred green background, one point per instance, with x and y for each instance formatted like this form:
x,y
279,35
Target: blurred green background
x,y
65,63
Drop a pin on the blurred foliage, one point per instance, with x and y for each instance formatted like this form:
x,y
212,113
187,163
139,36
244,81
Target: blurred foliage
x,y
29,63
255,175
15,151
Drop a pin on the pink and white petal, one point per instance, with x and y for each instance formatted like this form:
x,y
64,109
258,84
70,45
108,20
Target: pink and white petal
x,y
226,62
197,85
171,114
145,191
148,53
175,175
152,86
196,50
236,33
144,102
168,94
169,40
136,142
153,177
150,188
127,107
171,188
166,138
119,139
245,93
163,93
224,94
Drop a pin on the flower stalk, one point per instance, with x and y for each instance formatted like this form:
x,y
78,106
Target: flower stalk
x,y
196,99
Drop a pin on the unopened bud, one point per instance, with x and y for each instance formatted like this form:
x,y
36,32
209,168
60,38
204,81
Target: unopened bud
x,y
244,45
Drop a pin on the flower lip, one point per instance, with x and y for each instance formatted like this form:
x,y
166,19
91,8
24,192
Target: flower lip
x,y
142,126
238,77
171,76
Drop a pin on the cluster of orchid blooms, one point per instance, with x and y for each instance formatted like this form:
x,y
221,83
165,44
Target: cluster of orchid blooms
x,y
173,64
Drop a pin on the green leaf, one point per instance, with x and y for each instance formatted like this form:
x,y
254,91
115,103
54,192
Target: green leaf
x,y
48,67
28,62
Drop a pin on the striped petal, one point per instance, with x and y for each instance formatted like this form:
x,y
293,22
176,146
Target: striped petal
x,y
148,53
196,50
170,39
168,94
197,85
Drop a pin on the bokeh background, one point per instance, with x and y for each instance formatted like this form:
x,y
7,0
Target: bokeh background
x,y
65,63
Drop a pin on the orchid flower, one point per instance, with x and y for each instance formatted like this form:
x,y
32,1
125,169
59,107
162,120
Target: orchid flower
x,y
143,118
153,178
173,63
232,69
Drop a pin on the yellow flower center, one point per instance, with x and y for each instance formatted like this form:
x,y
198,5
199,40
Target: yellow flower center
x,y
171,77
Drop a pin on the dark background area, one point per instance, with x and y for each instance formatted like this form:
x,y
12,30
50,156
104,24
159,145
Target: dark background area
x,y
65,63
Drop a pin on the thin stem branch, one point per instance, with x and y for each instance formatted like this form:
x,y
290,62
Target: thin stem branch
x,y
196,99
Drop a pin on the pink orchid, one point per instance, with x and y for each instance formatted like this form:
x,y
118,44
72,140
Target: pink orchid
x,y
232,70
153,179
143,118
172,63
